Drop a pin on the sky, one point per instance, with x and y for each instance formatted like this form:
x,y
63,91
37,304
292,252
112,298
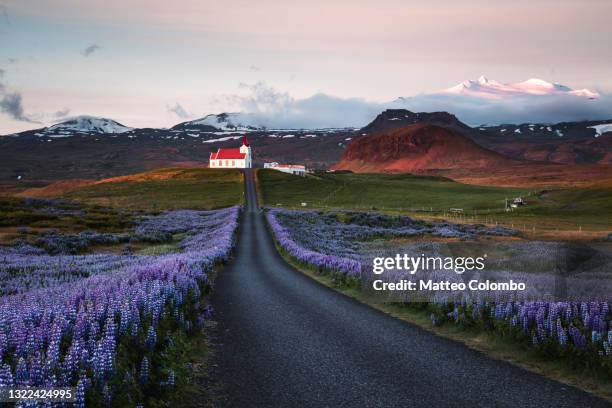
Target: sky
x,y
157,63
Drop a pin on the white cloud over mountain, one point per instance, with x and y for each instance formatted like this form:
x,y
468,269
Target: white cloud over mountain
x,y
474,102
266,106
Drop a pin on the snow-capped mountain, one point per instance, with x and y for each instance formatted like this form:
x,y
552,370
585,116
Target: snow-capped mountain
x,y
84,124
223,122
490,89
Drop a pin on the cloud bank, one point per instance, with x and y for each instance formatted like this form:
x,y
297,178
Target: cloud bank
x,y
277,109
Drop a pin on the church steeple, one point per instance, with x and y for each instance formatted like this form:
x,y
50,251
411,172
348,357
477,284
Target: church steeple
x,y
246,149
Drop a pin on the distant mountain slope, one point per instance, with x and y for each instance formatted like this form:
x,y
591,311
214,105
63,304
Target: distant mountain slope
x,y
414,148
397,118
82,125
91,148
566,142
32,161
434,150
222,122
584,151
536,132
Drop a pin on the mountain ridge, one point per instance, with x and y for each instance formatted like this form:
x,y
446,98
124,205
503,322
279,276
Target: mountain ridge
x,y
396,118
417,147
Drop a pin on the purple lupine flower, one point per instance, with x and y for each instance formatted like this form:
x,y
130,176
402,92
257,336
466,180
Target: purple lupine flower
x,y
151,338
107,396
171,379
47,301
6,376
22,376
578,338
79,401
144,371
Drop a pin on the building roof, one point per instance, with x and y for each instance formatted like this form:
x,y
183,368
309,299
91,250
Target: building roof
x,y
293,166
231,154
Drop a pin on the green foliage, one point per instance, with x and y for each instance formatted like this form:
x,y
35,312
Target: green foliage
x,y
158,249
108,220
13,212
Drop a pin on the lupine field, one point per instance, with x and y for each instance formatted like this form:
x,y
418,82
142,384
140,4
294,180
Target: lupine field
x,y
579,333
108,323
332,240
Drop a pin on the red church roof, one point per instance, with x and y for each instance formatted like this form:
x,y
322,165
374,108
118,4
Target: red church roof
x,y
231,154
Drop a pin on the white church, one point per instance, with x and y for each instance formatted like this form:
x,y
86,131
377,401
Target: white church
x,y
239,158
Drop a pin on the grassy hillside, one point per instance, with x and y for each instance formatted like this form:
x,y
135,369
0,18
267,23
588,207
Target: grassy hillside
x,y
574,212
579,210
379,191
194,188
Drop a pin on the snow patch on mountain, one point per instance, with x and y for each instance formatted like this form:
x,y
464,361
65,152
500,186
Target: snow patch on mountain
x,y
601,129
228,122
221,139
489,89
85,124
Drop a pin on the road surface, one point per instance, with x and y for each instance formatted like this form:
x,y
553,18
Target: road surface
x,y
284,340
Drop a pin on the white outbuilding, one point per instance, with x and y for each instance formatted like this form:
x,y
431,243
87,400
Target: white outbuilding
x,y
296,169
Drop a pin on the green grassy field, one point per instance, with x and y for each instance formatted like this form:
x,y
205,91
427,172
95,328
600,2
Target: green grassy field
x,y
401,192
576,211
196,188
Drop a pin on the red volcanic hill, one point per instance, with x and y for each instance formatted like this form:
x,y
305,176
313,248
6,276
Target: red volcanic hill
x,y
417,147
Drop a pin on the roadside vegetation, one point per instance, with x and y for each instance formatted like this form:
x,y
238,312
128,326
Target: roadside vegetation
x,y
149,267
127,327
